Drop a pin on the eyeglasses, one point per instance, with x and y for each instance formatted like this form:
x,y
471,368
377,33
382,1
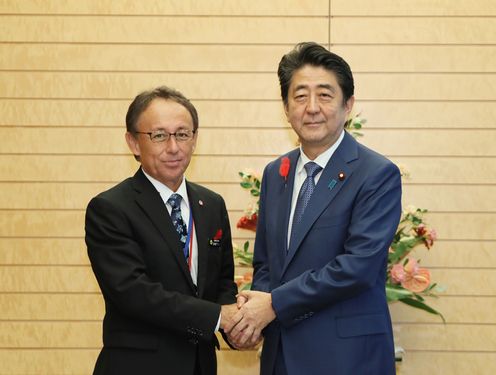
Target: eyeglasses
x,y
160,135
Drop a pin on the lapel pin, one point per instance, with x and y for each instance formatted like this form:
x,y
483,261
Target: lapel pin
x,y
200,202
341,176
332,183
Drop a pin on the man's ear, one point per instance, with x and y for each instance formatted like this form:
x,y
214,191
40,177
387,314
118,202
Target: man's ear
x,y
132,143
349,104
286,111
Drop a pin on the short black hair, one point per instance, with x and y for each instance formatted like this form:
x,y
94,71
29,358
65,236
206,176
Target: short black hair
x,y
311,53
143,100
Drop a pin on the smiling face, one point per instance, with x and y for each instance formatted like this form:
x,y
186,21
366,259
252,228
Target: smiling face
x,y
315,108
165,161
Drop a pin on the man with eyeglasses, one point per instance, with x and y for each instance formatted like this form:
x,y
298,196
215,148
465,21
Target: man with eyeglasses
x,y
161,250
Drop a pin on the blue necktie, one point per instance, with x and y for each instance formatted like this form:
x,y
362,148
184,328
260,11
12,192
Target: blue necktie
x,y
304,195
178,222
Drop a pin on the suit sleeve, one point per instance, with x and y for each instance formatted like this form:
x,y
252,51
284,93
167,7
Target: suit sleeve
x,y
118,263
227,286
374,219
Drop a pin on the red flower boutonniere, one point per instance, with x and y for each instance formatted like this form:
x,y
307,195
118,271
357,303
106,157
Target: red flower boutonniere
x,y
215,241
284,168
218,234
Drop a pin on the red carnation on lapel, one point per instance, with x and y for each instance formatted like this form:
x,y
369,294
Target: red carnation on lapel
x,y
218,234
284,167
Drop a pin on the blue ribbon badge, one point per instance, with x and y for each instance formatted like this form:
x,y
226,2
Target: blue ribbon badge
x,y
332,183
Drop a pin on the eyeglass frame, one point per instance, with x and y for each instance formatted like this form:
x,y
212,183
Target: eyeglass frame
x,y
158,131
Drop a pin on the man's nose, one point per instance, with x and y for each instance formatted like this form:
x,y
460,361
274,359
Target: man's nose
x,y
313,104
171,144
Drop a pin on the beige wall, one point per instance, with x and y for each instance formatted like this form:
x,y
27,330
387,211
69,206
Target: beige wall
x,y
426,81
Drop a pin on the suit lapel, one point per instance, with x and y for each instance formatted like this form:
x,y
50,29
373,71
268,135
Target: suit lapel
x,y
200,217
148,198
284,207
326,190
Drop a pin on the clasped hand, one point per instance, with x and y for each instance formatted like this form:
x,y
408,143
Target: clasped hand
x,y
243,322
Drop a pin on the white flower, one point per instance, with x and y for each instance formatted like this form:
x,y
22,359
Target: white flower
x,y
410,209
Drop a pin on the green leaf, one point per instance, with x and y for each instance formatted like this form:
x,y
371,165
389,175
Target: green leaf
x,y
246,286
395,293
245,185
422,306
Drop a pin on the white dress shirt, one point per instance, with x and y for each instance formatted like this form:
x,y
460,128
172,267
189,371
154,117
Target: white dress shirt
x,y
165,194
301,175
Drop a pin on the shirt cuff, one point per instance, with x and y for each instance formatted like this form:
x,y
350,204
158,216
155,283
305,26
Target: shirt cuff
x,y
218,323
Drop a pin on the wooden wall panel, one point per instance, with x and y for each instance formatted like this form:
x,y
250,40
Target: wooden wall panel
x,y
89,306
258,86
50,334
397,142
43,251
46,361
120,85
159,58
215,58
70,223
87,335
454,363
454,253
80,361
460,253
425,77
162,29
449,337
47,195
183,7
91,168
420,30
453,308
48,279
419,58
53,195
465,114
45,306
413,8
111,113
29,279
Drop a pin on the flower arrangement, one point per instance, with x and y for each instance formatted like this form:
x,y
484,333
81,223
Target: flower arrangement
x,y
251,182
406,282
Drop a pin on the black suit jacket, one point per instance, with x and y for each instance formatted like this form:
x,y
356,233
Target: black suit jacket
x,y
156,320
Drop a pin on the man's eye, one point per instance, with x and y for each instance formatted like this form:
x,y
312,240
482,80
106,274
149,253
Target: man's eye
x,y
159,136
182,135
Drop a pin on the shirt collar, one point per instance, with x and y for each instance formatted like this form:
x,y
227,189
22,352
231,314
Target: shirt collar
x,y
322,159
165,192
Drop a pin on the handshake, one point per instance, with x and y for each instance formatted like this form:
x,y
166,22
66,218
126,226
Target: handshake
x,y
243,321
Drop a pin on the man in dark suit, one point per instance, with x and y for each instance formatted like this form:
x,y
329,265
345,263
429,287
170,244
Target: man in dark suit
x,y
161,250
328,213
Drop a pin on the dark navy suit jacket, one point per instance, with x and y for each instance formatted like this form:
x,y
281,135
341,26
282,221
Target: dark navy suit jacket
x,y
328,288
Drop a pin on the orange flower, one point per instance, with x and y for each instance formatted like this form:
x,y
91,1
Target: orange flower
x,y
241,281
398,273
416,279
